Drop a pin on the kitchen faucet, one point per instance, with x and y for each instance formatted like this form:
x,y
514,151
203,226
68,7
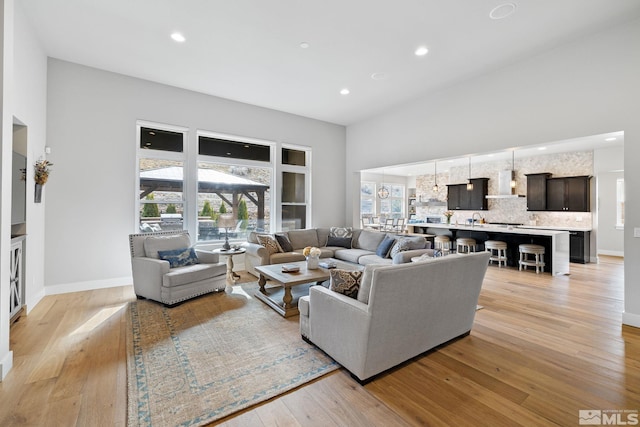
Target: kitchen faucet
x,y
473,218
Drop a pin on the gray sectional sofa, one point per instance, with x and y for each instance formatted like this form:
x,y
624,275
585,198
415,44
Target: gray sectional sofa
x,y
360,249
400,312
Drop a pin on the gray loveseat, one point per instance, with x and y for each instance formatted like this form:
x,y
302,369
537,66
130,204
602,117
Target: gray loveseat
x,y
361,250
400,312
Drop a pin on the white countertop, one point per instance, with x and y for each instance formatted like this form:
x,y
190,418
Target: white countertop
x,y
498,229
550,227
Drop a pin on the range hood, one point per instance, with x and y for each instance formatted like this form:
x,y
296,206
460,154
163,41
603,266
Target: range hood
x,y
504,186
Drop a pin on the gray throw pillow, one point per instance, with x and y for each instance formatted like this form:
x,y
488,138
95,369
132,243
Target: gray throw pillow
x,y
284,243
401,245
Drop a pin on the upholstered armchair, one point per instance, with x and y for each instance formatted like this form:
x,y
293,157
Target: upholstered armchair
x,y
181,275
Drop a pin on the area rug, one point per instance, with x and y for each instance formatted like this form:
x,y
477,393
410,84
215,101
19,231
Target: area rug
x,y
212,356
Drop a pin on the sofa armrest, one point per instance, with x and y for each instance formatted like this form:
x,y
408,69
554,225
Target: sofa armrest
x,y
339,325
405,257
207,257
256,250
147,276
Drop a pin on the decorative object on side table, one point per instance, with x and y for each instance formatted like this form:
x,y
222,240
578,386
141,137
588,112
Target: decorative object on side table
x,y
313,257
42,168
226,221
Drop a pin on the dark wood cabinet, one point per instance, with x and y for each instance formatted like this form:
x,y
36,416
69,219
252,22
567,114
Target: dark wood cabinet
x,y
459,198
537,191
569,194
453,196
580,246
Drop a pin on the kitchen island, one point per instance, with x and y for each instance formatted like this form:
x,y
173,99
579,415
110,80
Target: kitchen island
x,y
555,242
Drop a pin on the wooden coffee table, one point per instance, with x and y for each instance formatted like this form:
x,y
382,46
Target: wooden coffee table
x,y
281,299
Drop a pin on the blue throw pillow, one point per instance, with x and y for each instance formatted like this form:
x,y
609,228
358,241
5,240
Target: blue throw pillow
x,y
179,257
385,246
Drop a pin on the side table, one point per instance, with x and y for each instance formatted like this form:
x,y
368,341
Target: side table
x,y
232,276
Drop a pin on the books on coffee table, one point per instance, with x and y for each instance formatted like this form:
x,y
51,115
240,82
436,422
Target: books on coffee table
x,y
290,268
328,264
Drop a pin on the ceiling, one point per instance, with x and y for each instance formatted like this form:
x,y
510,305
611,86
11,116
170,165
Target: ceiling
x,y
250,50
587,143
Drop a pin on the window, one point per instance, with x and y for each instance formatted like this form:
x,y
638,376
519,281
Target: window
x,y
368,198
160,179
233,177
393,206
620,202
182,186
295,188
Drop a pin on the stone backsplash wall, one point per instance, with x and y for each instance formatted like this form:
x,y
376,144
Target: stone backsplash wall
x,y
511,210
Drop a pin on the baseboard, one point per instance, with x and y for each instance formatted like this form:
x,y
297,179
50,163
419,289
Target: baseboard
x,y
611,253
631,319
88,285
6,364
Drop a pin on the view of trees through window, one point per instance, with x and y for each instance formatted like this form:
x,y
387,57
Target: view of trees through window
x,y
231,176
240,190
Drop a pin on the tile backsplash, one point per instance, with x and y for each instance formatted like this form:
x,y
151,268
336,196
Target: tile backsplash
x,y
511,210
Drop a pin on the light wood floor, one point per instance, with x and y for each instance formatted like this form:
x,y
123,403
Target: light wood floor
x,y
541,349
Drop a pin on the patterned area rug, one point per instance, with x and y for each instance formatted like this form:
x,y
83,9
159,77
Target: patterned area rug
x,y
212,356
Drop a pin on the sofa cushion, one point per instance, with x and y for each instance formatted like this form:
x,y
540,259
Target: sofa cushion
x,y
284,257
341,232
284,242
192,273
374,259
270,243
153,244
179,257
384,247
346,282
302,238
368,240
344,242
351,255
401,245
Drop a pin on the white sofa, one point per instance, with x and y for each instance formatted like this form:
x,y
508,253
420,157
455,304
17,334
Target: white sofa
x,y
401,311
362,251
154,279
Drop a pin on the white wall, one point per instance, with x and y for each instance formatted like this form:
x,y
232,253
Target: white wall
x,y
6,159
90,196
608,168
24,69
583,88
30,107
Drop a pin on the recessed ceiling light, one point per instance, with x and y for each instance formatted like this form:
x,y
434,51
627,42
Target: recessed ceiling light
x,y
304,45
502,11
152,133
178,37
610,139
421,51
542,148
379,76
345,91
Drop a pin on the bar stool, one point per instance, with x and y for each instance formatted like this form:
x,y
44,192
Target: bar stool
x,y
500,249
442,242
465,245
530,249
